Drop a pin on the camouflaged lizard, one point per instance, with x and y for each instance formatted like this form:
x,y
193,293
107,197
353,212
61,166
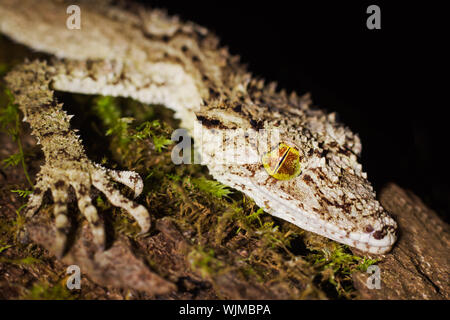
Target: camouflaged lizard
x,y
311,178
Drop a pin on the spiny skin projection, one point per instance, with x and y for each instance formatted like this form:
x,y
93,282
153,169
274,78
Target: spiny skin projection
x,y
142,53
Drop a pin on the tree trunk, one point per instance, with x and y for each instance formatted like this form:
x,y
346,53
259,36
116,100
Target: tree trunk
x,y
417,267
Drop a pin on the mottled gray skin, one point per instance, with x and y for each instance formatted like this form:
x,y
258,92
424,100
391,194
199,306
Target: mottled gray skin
x,y
151,57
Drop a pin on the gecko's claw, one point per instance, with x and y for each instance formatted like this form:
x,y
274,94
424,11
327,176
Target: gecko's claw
x,y
36,198
81,176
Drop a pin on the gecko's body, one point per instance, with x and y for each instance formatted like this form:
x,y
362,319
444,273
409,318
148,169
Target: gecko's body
x,y
153,58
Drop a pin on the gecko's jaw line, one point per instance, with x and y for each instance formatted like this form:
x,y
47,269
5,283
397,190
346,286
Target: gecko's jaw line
x,y
366,242
360,240
286,210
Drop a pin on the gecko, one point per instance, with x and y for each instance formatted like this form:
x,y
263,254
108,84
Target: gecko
x,y
311,177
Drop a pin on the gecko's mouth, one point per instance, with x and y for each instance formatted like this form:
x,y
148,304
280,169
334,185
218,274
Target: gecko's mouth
x,y
369,242
376,241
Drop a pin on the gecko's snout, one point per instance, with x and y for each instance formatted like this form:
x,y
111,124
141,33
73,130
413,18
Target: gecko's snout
x,y
378,240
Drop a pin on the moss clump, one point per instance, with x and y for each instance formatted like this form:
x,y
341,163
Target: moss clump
x,y
130,140
3,69
336,264
47,291
214,188
204,261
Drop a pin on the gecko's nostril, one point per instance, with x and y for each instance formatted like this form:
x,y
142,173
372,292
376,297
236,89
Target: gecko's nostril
x,y
378,235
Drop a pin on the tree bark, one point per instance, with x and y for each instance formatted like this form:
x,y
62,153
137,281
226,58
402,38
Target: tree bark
x,y
418,266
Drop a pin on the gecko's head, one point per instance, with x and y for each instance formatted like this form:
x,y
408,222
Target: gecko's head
x,y
325,188
317,185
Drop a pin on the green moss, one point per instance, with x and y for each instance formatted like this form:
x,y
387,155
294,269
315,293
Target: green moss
x,y
108,110
23,193
204,261
3,69
336,264
212,187
4,247
21,261
47,291
155,131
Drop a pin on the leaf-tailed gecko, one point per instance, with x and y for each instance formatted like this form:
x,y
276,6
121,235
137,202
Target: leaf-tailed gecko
x,y
311,177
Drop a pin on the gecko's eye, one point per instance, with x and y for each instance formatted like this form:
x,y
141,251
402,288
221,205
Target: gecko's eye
x,y
283,162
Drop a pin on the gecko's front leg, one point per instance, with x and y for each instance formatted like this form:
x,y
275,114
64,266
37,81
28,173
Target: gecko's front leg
x,y
66,164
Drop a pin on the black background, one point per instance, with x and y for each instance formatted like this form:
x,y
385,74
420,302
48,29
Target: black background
x,y
169,309
382,83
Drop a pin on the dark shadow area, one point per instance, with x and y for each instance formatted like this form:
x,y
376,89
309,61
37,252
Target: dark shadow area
x,y
89,125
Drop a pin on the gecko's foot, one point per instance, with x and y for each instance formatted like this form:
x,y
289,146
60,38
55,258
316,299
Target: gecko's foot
x,y
81,176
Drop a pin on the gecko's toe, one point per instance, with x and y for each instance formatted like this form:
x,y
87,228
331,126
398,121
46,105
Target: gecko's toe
x,y
60,194
81,179
35,200
90,212
139,212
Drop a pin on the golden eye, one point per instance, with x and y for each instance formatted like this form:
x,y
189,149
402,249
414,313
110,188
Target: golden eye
x,y
283,162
